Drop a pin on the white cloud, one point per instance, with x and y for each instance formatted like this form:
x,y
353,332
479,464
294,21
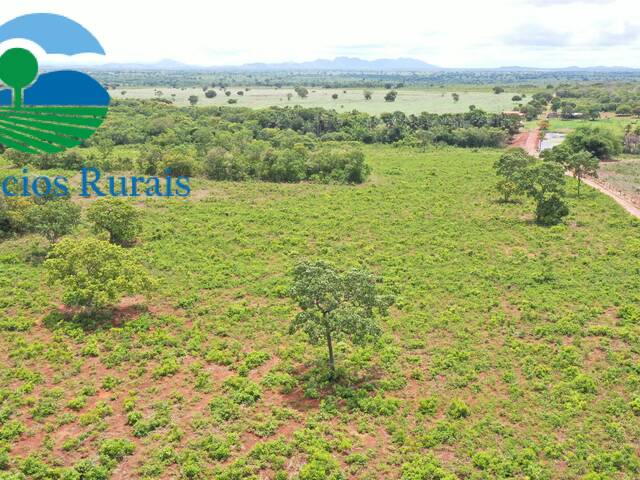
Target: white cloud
x,y
455,33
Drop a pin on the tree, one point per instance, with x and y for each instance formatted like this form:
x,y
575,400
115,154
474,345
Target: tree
x,y
193,99
336,305
498,90
391,96
54,218
118,217
580,164
334,96
516,98
301,91
600,142
210,94
511,166
455,96
367,94
227,93
289,95
624,110
544,182
95,274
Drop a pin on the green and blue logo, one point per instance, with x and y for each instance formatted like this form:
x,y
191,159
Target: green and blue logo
x,y
56,110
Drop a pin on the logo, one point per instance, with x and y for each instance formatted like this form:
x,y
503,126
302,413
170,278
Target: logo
x,y
56,110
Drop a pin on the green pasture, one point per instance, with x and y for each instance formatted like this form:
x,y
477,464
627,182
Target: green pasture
x,y
409,100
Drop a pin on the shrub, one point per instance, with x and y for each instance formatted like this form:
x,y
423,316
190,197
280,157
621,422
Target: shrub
x,y
115,449
54,218
95,273
118,217
379,406
428,406
224,409
458,409
242,390
425,468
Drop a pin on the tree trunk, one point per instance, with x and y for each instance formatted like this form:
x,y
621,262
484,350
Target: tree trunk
x,y
332,365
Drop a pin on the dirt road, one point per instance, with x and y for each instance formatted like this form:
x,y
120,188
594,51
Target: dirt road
x,y
529,140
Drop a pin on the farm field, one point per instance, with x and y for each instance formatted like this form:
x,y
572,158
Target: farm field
x,y
409,100
511,352
624,176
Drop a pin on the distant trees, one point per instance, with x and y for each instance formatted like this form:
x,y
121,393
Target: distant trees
x,y
193,100
516,98
210,94
117,217
599,141
94,273
367,94
498,90
301,91
334,96
456,97
391,96
227,93
336,306
624,110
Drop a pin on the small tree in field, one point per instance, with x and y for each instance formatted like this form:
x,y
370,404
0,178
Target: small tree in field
x,y
544,182
301,91
54,218
580,164
118,217
95,274
193,99
336,305
511,167
367,94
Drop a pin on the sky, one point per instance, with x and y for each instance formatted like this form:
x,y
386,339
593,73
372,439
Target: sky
x,y
447,33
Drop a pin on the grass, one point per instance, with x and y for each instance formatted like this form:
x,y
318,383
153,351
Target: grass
x,y
617,124
409,100
511,353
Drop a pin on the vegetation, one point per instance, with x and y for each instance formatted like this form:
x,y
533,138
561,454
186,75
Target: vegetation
x,y
117,217
336,305
94,273
510,351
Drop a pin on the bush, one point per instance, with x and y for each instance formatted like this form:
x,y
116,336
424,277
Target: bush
x,y
458,409
54,218
428,406
118,217
242,390
95,273
551,211
115,449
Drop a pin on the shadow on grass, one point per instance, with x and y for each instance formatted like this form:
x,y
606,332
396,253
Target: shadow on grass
x,y
91,320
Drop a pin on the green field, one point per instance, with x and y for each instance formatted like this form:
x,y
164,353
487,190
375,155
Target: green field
x,y
512,351
408,100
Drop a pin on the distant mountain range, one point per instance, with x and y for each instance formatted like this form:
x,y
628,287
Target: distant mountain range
x,y
343,64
